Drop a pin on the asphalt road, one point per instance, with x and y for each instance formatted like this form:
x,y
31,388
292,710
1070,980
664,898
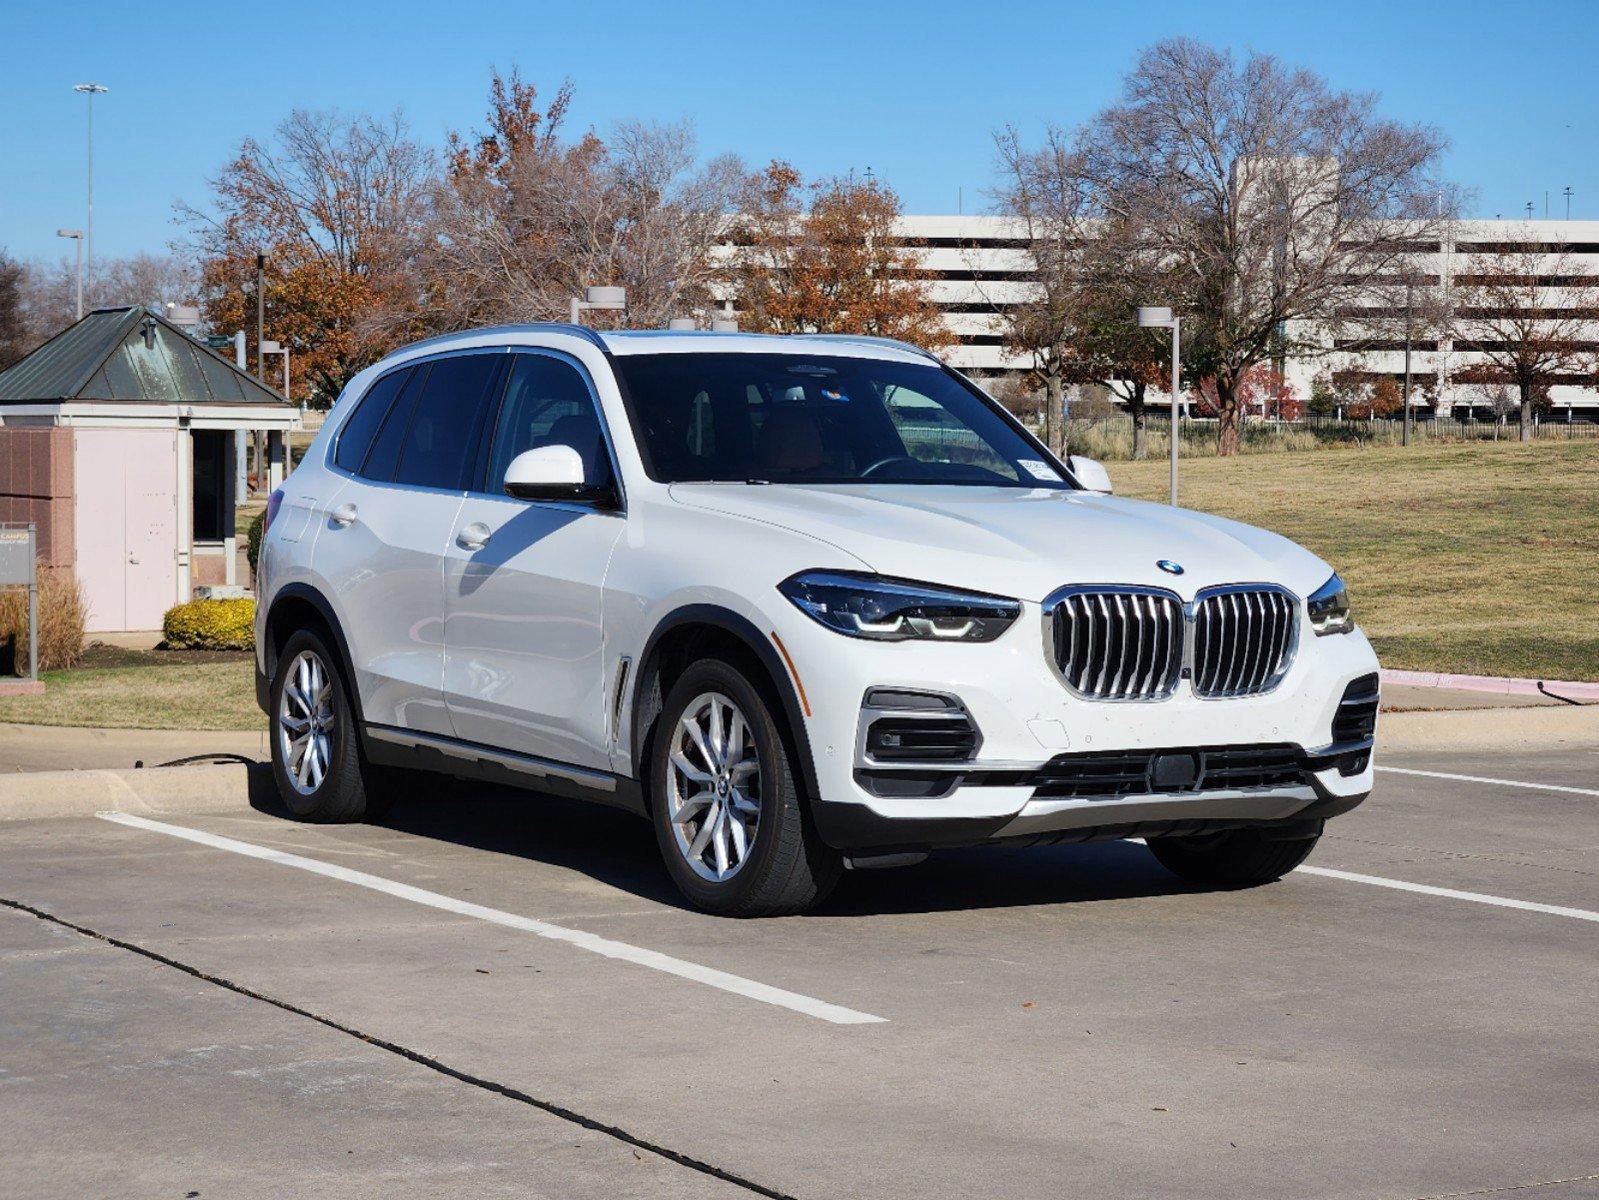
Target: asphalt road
x,y
497,995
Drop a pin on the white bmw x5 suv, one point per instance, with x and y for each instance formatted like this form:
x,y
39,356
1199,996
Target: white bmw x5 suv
x,y
805,603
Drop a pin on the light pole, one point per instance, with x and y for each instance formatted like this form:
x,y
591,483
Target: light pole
x,y
1409,293
77,236
90,90
1163,318
1567,195
612,299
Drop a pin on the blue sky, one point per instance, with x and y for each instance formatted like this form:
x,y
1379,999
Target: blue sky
x,y
912,90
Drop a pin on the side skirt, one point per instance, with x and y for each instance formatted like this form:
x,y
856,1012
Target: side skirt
x,y
393,747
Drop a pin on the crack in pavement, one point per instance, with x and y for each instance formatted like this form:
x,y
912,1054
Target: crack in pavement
x,y
1464,855
1510,1187
432,1064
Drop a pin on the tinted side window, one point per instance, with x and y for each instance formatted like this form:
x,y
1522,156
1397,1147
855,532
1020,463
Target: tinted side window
x,y
384,455
356,436
547,403
450,408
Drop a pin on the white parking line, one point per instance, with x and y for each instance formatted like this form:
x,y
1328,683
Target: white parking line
x,y
656,961
1518,783
1425,889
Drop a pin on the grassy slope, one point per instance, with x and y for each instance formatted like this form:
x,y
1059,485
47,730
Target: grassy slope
x,y
211,695
1475,558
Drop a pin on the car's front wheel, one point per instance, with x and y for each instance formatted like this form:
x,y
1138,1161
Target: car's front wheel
x,y
726,805
1235,857
316,759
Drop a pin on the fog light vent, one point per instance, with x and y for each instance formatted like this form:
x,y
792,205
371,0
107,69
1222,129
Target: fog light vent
x,y
941,738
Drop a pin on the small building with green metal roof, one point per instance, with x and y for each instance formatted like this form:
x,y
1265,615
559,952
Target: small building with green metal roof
x,y
118,440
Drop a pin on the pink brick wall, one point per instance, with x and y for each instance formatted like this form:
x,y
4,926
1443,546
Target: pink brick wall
x,y
36,484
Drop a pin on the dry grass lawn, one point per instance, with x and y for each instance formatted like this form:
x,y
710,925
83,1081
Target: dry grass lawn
x,y
204,695
1480,558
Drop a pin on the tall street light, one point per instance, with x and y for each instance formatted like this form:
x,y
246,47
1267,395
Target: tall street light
x,y
1162,318
77,236
90,90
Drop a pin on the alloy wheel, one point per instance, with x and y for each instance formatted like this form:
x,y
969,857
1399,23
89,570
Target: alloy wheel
x,y
713,794
306,726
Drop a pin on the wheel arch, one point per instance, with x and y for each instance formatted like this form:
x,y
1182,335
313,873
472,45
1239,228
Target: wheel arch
x,y
300,606
711,627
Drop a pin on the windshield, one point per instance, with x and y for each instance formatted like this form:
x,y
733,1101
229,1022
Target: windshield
x,y
789,418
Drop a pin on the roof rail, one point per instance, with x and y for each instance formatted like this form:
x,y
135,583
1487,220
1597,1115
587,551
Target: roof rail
x,y
582,331
864,339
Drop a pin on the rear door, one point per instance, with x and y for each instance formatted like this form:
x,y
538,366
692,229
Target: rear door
x,y
524,581
383,546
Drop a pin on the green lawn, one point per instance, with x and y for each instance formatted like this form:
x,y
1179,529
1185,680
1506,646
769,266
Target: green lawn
x,y
205,695
1477,558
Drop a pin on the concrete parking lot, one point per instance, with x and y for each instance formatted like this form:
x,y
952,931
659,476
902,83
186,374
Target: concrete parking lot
x,y
492,994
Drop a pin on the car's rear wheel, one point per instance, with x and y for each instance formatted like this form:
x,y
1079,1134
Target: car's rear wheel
x,y
1235,857
316,757
728,813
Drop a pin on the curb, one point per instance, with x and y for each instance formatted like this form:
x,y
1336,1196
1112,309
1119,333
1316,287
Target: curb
x,y
155,791
234,787
1496,684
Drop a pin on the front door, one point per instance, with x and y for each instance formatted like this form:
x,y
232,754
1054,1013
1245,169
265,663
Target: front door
x,y
524,581
126,525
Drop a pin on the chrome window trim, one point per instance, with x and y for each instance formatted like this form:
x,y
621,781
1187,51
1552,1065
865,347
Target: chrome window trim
x,y
408,364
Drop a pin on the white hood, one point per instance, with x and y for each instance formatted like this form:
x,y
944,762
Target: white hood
x,y
1023,544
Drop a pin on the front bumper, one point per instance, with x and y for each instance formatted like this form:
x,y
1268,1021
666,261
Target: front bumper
x,y
1030,728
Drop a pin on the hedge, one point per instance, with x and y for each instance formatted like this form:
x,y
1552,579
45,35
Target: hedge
x,y
252,548
210,625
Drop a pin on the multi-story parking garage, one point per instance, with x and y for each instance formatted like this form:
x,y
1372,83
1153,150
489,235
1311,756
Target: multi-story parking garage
x,y
980,265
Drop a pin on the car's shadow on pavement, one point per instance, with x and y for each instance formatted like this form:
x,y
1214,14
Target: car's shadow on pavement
x,y
616,848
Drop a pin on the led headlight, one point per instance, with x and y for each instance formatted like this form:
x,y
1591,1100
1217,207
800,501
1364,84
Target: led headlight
x,y
1329,608
897,610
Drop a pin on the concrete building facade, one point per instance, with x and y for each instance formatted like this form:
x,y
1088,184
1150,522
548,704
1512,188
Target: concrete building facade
x,y
979,266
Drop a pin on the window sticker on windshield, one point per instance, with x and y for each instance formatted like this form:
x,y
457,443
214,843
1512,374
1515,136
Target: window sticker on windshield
x,y
1040,470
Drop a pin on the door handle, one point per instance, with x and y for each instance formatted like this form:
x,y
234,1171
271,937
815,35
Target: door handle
x,y
473,537
343,516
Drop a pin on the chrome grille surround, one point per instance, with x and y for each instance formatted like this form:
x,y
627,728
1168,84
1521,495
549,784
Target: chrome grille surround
x,y
1129,642
1116,641
1244,638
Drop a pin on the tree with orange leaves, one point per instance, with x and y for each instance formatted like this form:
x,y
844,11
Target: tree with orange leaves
x,y
828,258
339,207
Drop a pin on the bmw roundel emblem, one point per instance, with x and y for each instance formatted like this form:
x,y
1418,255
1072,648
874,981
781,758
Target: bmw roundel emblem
x,y
1170,567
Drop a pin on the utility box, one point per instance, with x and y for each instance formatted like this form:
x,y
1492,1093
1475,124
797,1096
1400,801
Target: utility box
x,y
19,568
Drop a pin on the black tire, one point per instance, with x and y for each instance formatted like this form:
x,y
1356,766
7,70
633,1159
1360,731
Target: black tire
x,y
1235,858
786,868
349,789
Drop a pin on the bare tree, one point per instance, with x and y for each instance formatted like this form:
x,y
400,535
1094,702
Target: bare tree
x,y
1046,193
13,328
339,206
1530,316
528,218
151,280
1271,195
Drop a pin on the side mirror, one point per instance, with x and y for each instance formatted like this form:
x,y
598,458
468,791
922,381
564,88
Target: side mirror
x,y
552,473
1090,474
